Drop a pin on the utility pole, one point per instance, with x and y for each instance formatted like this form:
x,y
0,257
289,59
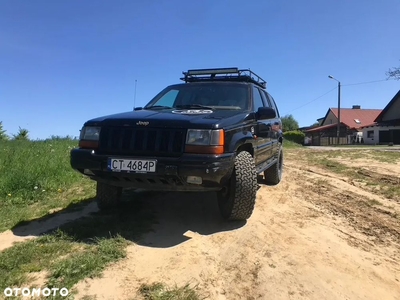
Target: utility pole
x,y
338,123
338,130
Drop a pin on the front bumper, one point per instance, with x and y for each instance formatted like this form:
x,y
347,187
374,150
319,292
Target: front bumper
x,y
171,173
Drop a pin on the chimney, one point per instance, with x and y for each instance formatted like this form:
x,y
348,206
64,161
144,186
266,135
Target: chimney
x,y
356,106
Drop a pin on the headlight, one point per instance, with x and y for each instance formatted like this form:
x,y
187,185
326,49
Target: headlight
x,y
90,133
204,137
201,141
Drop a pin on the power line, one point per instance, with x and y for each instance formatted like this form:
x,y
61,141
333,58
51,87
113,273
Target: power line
x,y
350,84
312,100
366,82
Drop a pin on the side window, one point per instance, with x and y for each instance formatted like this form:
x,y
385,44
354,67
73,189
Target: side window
x,y
274,105
168,99
266,98
258,102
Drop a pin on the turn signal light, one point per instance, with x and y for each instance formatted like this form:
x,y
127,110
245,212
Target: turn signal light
x,y
204,149
88,144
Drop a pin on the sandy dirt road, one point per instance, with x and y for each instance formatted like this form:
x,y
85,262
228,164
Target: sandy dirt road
x,y
314,236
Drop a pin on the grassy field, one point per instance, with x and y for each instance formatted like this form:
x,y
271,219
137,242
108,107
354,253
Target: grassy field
x,y
36,178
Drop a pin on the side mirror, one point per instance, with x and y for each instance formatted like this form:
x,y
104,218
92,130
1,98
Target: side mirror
x,y
266,113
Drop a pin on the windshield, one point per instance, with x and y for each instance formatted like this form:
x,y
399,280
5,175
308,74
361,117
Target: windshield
x,y
214,96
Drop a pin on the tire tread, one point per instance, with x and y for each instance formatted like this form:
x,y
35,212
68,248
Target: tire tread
x,y
246,186
107,196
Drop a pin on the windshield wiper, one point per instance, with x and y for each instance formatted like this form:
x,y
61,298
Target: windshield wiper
x,y
158,106
194,106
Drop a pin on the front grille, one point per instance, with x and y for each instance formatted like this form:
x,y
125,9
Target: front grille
x,y
141,141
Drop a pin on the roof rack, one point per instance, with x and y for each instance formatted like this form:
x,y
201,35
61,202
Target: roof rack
x,y
224,74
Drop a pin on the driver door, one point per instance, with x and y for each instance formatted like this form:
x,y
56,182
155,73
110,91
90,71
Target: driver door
x,y
263,130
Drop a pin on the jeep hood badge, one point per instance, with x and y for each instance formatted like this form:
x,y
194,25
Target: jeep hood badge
x,y
142,123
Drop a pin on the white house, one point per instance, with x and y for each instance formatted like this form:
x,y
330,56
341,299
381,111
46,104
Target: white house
x,y
386,127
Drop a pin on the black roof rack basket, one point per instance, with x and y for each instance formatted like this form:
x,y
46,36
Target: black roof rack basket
x,y
224,74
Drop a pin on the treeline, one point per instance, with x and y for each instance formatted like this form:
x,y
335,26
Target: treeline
x,y
23,134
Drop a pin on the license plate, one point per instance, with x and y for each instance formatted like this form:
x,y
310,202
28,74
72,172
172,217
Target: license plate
x,y
132,165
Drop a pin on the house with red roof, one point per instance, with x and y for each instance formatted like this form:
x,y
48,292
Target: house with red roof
x,y
351,122
385,129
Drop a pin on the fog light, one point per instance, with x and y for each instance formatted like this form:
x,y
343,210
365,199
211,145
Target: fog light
x,y
88,172
194,179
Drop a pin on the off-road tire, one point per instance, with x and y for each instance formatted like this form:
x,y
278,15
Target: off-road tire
x,y
273,175
107,196
237,201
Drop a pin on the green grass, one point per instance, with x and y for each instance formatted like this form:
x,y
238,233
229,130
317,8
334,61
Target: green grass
x,y
158,291
33,256
388,186
32,169
386,156
43,254
291,145
331,165
89,262
373,202
36,177
352,154
360,146
76,250
378,155
37,181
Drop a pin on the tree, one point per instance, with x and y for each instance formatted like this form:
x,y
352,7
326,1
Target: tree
x,y
22,134
394,73
3,135
289,123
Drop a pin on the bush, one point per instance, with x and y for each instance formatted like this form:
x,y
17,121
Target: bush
x,y
294,136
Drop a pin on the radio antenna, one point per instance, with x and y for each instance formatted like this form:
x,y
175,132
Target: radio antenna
x,y
134,98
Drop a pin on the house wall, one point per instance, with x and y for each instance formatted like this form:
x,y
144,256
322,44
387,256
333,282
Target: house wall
x,y
394,112
372,140
330,119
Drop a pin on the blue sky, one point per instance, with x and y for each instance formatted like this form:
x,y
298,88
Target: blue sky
x,y
64,62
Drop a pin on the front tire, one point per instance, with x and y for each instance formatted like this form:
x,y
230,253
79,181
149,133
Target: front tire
x,y
237,200
107,196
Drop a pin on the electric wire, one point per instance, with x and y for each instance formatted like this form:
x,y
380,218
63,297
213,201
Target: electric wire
x,y
350,84
366,82
312,100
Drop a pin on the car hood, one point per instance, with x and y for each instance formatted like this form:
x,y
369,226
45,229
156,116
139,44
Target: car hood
x,y
176,118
